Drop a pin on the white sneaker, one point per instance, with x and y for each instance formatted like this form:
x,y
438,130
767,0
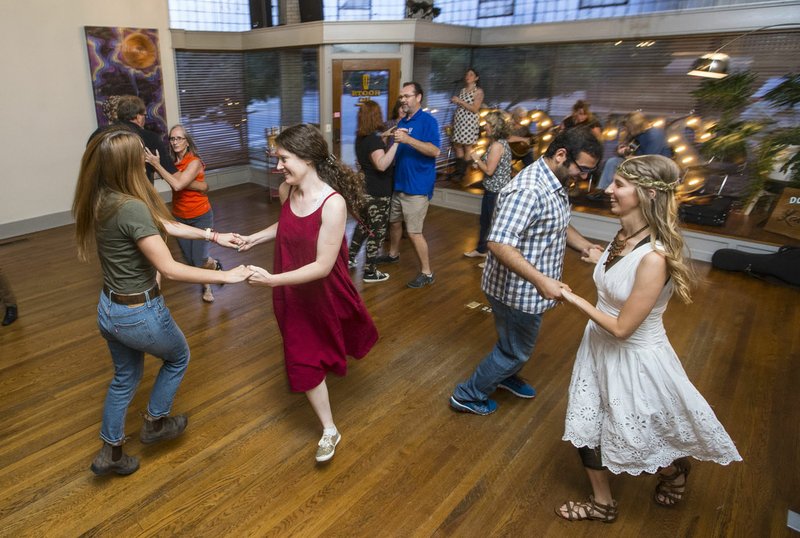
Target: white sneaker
x,y
327,446
482,265
377,276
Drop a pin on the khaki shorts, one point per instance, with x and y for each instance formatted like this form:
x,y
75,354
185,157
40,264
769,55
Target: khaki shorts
x,y
410,208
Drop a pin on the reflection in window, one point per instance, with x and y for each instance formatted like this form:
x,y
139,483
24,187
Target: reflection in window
x,y
495,8
586,4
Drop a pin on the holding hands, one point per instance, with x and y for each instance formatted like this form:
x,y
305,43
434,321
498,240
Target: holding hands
x,y
243,242
259,276
237,274
592,254
229,240
401,136
550,288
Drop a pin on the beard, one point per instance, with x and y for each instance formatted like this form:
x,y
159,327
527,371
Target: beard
x,y
562,173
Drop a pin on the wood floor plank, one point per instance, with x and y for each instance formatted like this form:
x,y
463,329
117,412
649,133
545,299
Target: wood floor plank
x,y
407,464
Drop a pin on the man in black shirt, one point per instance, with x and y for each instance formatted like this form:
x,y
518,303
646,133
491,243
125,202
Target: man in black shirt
x,y
131,113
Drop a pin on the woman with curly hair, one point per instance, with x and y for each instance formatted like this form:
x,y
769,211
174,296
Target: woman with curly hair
x,y
320,315
495,163
632,409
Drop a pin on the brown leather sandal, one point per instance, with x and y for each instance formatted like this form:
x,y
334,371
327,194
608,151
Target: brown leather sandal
x,y
581,510
667,492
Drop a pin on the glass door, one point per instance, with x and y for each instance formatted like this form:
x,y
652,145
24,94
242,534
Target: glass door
x,y
356,81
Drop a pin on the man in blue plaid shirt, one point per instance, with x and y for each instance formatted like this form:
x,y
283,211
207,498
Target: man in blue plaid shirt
x,y
529,235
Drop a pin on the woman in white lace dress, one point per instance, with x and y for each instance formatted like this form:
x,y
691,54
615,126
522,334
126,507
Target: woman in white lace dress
x,y
631,407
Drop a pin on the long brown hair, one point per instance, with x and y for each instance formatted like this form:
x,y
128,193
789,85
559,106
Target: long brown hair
x,y
307,142
656,178
113,162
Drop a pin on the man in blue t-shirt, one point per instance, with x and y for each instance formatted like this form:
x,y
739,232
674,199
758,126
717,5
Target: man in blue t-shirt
x,y
414,176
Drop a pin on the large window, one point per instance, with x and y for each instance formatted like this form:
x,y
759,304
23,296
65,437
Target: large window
x,y
282,89
228,100
210,15
211,93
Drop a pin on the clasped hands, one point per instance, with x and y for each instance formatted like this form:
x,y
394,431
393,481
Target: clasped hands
x,y
550,288
254,273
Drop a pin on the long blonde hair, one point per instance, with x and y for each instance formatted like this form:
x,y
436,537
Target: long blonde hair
x,y
112,163
656,178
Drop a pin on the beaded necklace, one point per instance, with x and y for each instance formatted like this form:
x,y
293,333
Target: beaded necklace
x,y
618,244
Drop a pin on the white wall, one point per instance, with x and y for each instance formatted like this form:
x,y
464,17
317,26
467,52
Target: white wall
x,y
46,100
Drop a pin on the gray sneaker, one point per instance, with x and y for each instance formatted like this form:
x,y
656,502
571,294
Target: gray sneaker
x,y
327,446
421,281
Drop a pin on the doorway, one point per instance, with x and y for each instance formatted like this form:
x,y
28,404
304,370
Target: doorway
x,y
355,81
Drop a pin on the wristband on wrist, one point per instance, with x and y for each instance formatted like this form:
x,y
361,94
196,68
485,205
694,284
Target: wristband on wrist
x,y
215,237
208,234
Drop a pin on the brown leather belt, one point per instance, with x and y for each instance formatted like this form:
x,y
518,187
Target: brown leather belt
x,y
135,298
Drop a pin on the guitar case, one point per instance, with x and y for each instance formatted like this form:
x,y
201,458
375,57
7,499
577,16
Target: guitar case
x,y
782,266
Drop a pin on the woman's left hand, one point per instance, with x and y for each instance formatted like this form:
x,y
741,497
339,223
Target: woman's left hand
x,y
260,276
454,99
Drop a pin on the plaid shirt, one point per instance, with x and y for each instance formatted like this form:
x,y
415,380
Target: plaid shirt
x,y
532,215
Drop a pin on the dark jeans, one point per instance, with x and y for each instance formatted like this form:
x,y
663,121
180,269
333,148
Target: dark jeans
x,y
516,336
487,212
373,229
195,251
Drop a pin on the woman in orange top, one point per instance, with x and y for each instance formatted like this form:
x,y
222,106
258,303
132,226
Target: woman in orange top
x,y
189,204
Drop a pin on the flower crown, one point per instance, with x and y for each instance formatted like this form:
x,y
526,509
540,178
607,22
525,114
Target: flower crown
x,y
646,182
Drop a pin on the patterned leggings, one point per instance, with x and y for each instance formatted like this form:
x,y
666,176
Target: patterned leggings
x,y
376,219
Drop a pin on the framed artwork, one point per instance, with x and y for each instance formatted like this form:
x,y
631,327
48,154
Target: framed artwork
x,y
126,61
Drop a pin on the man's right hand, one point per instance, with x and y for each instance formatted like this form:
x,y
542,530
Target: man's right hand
x,y
550,288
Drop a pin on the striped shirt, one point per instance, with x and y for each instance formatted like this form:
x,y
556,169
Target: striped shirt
x,y
532,215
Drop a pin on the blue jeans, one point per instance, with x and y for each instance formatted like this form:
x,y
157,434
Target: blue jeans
x,y
195,251
609,169
516,337
487,212
130,333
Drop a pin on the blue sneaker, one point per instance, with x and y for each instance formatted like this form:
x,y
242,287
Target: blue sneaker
x,y
516,386
479,408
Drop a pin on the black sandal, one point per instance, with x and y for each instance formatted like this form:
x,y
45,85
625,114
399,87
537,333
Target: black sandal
x,y
667,492
582,510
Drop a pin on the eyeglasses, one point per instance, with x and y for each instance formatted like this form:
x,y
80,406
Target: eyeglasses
x,y
408,96
176,138
583,169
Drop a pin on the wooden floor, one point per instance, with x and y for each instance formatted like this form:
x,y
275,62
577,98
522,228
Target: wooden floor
x,y
407,464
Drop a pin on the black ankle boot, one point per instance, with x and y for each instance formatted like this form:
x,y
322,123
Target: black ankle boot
x,y
162,429
11,314
111,459
459,168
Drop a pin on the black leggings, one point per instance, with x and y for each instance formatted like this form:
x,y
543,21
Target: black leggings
x,y
591,459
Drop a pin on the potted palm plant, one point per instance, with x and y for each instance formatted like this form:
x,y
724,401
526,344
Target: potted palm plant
x,y
779,150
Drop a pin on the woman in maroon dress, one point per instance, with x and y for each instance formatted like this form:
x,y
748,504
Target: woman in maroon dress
x,y
320,315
